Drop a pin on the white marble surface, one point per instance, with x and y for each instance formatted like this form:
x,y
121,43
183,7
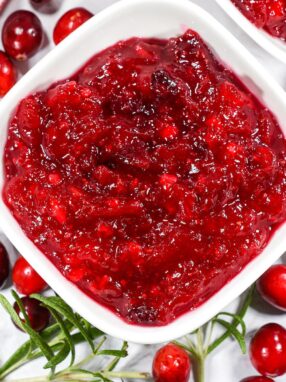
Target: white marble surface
x,y
226,364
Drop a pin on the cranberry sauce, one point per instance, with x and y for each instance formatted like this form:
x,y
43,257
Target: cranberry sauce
x,y
150,178
267,14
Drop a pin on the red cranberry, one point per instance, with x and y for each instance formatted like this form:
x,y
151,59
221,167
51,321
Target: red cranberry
x,y
4,265
268,350
69,22
257,379
7,74
22,34
26,279
272,286
171,364
38,315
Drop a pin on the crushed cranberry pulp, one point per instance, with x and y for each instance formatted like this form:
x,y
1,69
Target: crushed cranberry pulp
x,y
267,14
150,178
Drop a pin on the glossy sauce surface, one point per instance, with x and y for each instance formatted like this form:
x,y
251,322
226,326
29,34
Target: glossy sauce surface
x,y
150,178
267,14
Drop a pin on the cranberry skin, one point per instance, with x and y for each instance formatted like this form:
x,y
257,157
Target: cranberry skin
x,y
22,34
38,315
171,364
8,74
4,265
257,379
69,22
26,279
268,350
272,286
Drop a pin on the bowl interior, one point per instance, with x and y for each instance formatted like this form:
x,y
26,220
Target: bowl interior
x,y
148,18
274,46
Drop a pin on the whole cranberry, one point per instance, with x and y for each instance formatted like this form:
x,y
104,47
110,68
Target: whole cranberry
x,y
4,265
8,74
69,22
38,315
22,34
257,379
268,350
272,286
26,279
171,364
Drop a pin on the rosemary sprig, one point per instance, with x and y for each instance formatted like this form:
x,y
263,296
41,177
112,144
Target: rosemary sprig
x,y
57,343
201,346
237,319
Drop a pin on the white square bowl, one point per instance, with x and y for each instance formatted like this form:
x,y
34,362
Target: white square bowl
x,y
273,45
143,18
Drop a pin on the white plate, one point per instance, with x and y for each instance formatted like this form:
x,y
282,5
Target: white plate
x,y
272,45
160,18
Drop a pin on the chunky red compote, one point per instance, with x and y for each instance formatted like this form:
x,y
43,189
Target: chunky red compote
x,y
150,178
267,14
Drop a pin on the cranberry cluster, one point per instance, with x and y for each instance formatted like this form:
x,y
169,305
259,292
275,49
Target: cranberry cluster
x,y
26,281
22,37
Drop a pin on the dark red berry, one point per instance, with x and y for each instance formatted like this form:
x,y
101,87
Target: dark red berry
x,y
4,265
22,34
171,364
8,74
26,279
69,22
268,350
38,315
257,379
272,286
